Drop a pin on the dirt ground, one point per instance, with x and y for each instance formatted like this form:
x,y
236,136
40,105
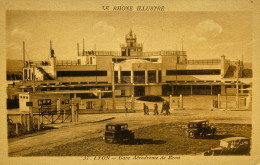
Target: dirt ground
x,y
155,134
161,139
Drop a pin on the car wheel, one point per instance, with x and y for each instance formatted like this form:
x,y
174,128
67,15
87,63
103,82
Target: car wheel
x,y
132,139
203,134
191,134
196,135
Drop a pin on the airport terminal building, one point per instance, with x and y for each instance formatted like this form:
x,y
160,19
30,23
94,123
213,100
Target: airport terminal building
x,y
135,72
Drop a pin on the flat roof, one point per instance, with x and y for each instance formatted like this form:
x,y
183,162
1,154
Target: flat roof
x,y
116,123
68,92
196,121
233,139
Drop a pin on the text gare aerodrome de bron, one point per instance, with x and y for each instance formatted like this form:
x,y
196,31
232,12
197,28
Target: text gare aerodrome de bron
x,y
134,8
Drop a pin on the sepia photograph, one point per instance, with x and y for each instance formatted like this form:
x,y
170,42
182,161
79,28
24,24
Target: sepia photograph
x,y
129,82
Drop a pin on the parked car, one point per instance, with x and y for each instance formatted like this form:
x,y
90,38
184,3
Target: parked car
x,y
231,146
200,128
118,133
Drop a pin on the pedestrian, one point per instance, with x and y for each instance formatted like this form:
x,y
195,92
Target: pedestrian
x,y
144,109
163,107
156,109
147,110
167,108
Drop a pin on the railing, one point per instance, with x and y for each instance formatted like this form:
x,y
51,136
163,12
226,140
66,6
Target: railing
x,y
139,79
134,45
125,79
67,62
164,53
99,53
151,79
209,62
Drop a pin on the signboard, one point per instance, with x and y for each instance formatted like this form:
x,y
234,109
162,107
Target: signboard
x,y
231,91
30,103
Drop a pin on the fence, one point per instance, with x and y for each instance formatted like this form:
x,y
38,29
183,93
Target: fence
x,y
197,62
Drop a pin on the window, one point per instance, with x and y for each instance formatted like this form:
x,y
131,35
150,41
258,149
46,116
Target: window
x,y
111,127
123,127
193,72
67,101
122,92
81,73
44,102
89,105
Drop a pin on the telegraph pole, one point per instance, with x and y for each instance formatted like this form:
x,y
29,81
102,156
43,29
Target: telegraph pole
x,y
237,93
24,54
33,76
113,86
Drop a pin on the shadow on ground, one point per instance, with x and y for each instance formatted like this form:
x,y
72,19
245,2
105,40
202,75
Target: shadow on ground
x,y
140,141
219,137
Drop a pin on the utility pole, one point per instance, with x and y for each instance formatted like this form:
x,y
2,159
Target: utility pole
x,y
237,88
33,76
78,48
113,86
24,54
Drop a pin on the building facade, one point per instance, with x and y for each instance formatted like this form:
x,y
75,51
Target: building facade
x,y
135,72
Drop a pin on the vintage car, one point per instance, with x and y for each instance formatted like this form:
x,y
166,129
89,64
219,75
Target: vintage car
x,y
200,128
118,133
231,146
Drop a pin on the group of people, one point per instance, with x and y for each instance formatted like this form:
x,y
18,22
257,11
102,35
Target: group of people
x,y
165,107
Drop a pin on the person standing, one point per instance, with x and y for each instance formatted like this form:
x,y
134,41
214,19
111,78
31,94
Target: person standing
x,y
156,109
147,110
144,109
167,108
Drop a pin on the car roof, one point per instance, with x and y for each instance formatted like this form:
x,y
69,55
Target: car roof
x,y
197,121
234,139
116,124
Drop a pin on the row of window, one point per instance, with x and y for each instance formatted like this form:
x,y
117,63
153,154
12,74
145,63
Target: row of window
x,y
23,97
81,73
137,73
193,72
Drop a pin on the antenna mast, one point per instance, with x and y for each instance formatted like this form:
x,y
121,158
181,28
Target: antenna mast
x,y
182,44
23,54
83,48
78,48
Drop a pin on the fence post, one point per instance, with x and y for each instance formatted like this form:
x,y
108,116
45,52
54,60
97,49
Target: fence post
x,y
181,101
28,123
39,123
72,113
132,103
16,129
64,115
77,115
218,100
58,106
170,101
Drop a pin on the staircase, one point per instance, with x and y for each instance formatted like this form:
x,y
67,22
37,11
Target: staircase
x,y
230,72
45,74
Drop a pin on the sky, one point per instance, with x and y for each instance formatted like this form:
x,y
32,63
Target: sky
x,y
205,35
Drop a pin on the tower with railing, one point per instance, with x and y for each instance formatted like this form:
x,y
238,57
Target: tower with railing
x,y
131,47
